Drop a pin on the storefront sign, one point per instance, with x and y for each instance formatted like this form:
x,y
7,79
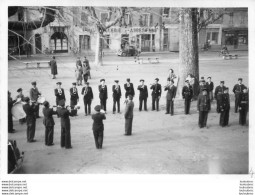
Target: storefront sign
x,y
139,30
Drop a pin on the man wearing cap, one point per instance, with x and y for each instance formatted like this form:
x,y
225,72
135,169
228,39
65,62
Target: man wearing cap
x,y
98,127
30,110
64,114
10,121
103,94
59,93
129,115
74,96
219,90
129,87
224,104
87,98
54,68
203,107
243,106
210,87
155,94
187,94
20,97
34,95
171,93
143,95
116,96
49,123
238,90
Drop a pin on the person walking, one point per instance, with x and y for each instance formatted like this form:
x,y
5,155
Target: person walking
x,y
224,104
87,93
187,94
103,94
170,96
155,94
34,95
54,68
203,107
143,95
238,90
129,115
116,94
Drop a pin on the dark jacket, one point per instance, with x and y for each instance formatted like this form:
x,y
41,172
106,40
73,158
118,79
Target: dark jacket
x,y
224,102
64,115
129,89
98,124
54,68
103,92
88,95
219,91
74,93
143,92
10,105
171,92
244,101
34,94
30,113
116,92
202,87
210,86
156,90
239,88
48,119
61,95
187,92
203,103
129,110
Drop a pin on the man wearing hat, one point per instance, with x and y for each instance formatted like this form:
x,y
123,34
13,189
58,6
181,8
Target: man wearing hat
x,y
98,127
143,95
129,115
203,107
54,68
224,104
64,114
155,94
171,93
49,123
34,95
20,97
187,94
116,96
74,96
210,87
103,94
243,106
87,98
219,90
238,90
30,110
129,87
10,121
59,93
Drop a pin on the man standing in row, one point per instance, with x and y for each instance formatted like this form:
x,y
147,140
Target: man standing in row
x,y
87,98
129,87
171,93
224,104
203,107
116,96
74,97
210,87
34,95
129,115
156,94
238,90
187,94
243,106
59,93
103,94
143,95
219,90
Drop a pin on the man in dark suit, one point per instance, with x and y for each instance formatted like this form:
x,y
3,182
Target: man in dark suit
x,y
49,123
171,93
219,90
30,109
87,98
10,121
129,115
98,127
116,96
210,87
224,104
202,86
243,106
129,87
103,94
187,94
238,90
203,107
143,95
34,95
155,94
74,97
54,68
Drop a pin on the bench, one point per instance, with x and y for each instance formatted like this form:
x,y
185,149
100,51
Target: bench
x,y
153,60
229,56
37,63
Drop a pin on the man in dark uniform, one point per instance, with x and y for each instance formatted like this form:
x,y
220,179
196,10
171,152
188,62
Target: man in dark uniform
x,y
116,96
243,106
203,107
219,90
98,127
210,87
129,115
103,94
187,94
64,114
87,98
238,90
59,93
143,95
54,68
155,94
34,95
49,123
224,104
202,86
171,93
30,110
10,121
74,97
129,87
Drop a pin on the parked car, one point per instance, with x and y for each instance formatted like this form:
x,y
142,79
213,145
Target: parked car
x,y
130,51
15,158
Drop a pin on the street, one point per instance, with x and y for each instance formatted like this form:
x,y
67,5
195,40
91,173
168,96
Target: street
x,y
160,144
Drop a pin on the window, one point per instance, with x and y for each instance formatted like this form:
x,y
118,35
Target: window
x,y
165,40
166,12
84,18
230,38
214,39
127,19
145,19
75,11
231,15
84,42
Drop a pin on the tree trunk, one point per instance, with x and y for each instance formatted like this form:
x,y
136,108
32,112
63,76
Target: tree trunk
x,y
188,55
98,52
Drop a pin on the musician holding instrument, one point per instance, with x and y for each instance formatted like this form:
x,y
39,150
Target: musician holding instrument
x,y
143,95
74,96
103,94
116,96
34,95
156,94
129,87
87,98
59,93
171,93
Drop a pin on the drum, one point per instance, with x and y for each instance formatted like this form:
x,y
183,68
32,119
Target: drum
x,y
41,99
17,111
